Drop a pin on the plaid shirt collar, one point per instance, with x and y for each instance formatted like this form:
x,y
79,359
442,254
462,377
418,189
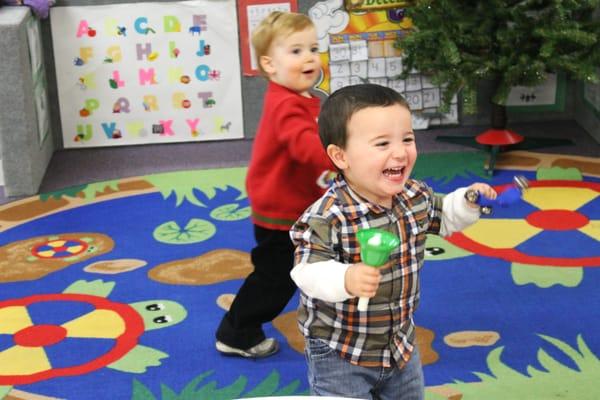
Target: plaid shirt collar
x,y
357,206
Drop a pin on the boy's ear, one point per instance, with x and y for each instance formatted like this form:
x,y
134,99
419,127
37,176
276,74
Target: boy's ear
x,y
337,156
266,63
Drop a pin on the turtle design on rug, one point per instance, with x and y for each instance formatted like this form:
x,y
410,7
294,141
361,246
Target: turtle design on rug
x,y
108,332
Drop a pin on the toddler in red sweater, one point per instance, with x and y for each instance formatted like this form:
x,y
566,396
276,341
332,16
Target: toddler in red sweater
x,y
286,174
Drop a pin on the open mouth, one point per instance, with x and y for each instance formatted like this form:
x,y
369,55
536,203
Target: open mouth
x,y
393,172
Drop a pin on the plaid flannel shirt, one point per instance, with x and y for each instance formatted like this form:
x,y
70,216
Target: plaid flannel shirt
x,y
327,230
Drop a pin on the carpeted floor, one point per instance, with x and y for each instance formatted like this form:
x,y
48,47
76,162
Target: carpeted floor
x,y
114,289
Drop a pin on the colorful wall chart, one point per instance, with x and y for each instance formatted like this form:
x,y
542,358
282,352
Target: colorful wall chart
x,y
142,73
357,44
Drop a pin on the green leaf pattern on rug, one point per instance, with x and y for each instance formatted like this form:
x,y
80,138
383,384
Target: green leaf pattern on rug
x,y
67,192
183,183
557,382
566,174
210,391
141,392
447,166
546,276
196,230
4,391
92,189
89,191
230,212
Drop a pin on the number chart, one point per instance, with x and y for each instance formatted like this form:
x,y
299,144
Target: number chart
x,y
363,49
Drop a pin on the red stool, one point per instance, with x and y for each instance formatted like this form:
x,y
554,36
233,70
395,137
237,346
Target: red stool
x,y
496,140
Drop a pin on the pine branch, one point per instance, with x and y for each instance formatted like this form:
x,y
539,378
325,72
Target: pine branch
x,y
460,43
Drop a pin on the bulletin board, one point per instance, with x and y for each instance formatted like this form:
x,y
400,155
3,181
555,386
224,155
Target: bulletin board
x,y
356,44
140,73
251,12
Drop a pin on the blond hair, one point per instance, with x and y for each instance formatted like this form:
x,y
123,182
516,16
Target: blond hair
x,y
277,23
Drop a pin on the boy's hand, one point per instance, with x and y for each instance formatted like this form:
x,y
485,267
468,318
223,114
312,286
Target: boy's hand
x,y
362,280
484,189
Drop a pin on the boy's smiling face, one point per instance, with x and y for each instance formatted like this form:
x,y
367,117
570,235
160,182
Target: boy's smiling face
x,y
380,152
293,61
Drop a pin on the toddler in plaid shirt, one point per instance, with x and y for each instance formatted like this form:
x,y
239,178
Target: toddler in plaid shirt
x,y
367,132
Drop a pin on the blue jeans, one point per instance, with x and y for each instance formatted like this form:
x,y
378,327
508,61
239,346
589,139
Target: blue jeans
x,y
331,375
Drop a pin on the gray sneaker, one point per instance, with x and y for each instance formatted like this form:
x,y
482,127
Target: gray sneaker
x,y
265,348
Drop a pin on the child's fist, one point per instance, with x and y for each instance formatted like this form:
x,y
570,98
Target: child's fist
x,y
362,280
484,190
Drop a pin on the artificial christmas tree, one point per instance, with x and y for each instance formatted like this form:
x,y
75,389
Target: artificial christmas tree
x,y
460,43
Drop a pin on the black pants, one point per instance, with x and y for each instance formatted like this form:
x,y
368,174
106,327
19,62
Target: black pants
x,y
264,293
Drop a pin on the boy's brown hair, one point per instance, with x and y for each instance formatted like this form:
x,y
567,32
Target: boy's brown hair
x,y
276,24
345,102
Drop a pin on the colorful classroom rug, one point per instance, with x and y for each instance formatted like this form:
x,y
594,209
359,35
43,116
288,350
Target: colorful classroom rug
x,y
113,290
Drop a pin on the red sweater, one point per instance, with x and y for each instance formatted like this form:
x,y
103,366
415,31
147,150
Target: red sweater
x,y
287,159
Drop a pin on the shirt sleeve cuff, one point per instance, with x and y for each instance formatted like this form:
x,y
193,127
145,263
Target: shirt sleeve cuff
x,y
457,214
322,280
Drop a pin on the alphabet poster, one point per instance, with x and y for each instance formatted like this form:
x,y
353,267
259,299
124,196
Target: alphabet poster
x,y
140,73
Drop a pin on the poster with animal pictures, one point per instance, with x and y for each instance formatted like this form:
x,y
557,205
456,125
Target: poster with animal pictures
x,y
141,73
